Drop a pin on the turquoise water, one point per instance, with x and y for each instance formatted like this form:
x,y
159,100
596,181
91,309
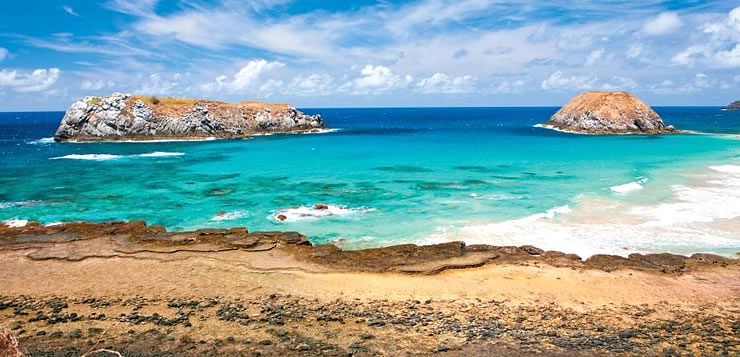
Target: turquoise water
x,y
399,175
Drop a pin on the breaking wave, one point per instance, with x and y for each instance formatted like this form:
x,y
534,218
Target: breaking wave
x,y
104,157
305,213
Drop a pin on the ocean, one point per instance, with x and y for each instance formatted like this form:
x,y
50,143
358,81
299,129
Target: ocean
x,y
402,175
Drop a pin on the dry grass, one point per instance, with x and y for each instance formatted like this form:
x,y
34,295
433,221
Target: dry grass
x,y
9,344
255,106
152,101
175,107
96,100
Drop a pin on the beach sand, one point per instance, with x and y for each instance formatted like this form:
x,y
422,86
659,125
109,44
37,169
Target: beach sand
x,y
136,289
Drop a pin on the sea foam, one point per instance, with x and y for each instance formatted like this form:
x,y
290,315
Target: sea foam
x,y
303,213
698,218
97,157
15,223
229,216
628,187
104,157
42,141
161,154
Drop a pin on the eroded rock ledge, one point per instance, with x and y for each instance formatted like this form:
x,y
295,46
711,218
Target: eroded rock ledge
x,y
128,117
77,241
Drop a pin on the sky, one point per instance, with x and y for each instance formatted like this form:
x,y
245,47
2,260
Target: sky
x,y
363,53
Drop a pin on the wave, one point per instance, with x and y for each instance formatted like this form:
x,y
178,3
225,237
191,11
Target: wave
x,y
717,198
97,157
545,126
15,223
19,204
42,141
161,154
732,169
304,213
495,196
629,187
104,157
229,216
702,217
312,131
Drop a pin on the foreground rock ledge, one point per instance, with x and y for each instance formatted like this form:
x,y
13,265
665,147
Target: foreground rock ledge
x,y
76,241
606,112
129,117
80,288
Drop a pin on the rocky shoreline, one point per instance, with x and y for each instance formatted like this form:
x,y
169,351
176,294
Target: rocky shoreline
x,y
82,287
732,106
122,116
117,239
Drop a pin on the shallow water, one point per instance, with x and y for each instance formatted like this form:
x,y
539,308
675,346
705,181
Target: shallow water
x,y
484,175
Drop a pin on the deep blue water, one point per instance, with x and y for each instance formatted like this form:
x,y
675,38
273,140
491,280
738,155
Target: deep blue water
x,y
392,175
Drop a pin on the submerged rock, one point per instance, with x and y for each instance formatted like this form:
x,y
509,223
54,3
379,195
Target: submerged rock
x,y
733,106
128,117
603,112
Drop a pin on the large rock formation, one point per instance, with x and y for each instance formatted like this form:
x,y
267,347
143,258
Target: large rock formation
x,y
128,117
733,106
608,113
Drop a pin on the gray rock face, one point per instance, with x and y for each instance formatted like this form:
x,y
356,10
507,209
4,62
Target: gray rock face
x,y
733,106
127,117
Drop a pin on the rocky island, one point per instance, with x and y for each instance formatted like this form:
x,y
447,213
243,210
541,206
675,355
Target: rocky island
x,y
129,117
733,106
604,112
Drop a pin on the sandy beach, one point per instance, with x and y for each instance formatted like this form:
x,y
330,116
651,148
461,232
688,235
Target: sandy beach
x,y
137,289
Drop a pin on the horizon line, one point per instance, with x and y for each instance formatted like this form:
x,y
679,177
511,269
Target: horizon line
x,y
413,107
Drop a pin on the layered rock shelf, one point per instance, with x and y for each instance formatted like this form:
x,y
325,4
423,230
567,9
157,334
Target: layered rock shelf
x,y
131,289
603,112
129,117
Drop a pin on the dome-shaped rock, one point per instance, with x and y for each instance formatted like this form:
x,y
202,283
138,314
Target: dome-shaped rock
x,y
606,112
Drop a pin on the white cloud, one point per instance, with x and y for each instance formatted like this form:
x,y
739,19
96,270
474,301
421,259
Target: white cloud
x,y
248,77
718,47
510,86
700,82
377,79
594,56
688,56
97,85
3,53
664,23
560,81
36,81
314,84
620,83
271,87
635,50
70,10
156,85
729,58
442,83
133,7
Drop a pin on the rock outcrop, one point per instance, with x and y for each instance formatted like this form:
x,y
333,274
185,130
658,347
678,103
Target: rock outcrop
x,y
608,113
128,117
733,106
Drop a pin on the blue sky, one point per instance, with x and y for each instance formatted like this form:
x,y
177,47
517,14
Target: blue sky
x,y
315,53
